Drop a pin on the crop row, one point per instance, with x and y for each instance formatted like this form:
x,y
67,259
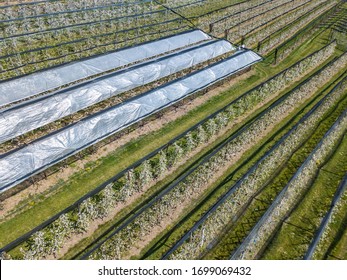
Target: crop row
x,y
83,20
302,223
249,214
323,236
39,50
212,223
291,194
190,139
236,32
69,35
285,33
43,8
174,3
306,13
298,37
92,44
206,14
230,21
207,7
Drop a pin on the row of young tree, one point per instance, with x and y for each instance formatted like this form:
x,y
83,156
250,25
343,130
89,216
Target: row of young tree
x,y
72,28
169,158
285,33
73,36
33,44
325,240
29,26
308,12
13,11
232,20
253,181
290,195
206,12
238,31
86,43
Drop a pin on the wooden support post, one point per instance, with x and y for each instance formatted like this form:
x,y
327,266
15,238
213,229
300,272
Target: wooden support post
x,y
275,60
210,27
226,33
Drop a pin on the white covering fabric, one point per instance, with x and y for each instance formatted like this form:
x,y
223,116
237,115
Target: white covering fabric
x,y
37,113
27,86
37,156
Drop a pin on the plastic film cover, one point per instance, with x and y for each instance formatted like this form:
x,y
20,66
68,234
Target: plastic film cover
x,y
37,156
24,87
26,117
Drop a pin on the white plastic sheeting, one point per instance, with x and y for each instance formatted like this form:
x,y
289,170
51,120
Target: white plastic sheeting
x,y
23,118
24,87
35,157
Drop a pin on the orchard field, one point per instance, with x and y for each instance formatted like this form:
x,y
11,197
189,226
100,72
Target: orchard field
x,y
187,129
